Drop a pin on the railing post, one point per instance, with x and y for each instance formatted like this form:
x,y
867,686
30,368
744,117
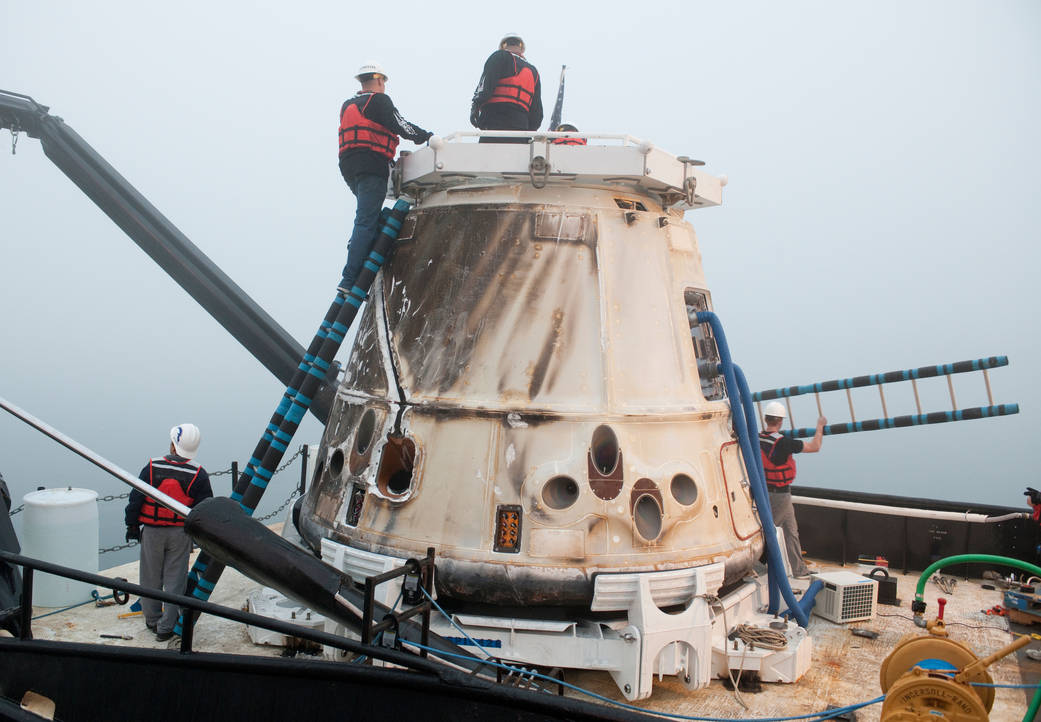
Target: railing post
x,y
366,617
234,473
428,585
27,602
303,468
187,632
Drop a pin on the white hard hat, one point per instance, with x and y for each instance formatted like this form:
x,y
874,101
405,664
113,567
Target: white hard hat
x,y
186,439
512,36
371,69
775,408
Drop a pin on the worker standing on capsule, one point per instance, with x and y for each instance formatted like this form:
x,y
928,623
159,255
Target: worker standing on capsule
x,y
509,93
778,452
369,130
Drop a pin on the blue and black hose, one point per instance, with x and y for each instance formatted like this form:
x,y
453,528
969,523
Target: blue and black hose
x,y
745,426
295,401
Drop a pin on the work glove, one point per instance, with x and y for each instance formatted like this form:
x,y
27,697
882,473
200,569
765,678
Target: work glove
x,y
133,533
424,138
475,116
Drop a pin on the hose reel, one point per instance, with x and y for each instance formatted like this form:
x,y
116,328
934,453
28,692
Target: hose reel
x,y
930,678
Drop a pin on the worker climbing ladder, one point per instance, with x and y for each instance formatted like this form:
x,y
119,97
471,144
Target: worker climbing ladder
x,y
880,380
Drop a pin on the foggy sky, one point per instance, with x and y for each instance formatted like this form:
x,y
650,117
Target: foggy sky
x,y
881,212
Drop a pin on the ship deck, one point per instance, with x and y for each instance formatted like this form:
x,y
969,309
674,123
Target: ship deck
x,y
845,667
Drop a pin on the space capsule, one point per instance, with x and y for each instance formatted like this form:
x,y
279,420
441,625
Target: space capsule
x,y
529,391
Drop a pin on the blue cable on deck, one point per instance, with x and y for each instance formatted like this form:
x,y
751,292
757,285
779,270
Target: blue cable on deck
x,y
827,714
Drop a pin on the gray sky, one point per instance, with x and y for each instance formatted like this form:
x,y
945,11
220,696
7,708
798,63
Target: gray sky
x,y
881,212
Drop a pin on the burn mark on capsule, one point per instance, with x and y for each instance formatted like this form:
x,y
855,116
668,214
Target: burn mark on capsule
x,y
549,345
483,291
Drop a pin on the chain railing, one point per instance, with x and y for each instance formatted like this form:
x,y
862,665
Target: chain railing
x,y
116,497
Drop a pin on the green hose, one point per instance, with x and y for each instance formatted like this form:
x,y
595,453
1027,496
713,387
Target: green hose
x,y
972,559
1035,703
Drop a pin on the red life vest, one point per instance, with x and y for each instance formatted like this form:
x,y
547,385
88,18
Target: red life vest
x,y
173,478
518,88
777,475
357,131
568,141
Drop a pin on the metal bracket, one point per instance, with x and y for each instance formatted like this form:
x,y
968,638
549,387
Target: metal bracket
x,y
690,182
537,164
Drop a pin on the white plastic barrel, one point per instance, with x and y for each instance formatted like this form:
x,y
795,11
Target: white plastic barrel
x,y
61,526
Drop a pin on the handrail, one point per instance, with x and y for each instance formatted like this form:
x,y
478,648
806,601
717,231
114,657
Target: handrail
x,y
123,475
544,134
217,610
967,517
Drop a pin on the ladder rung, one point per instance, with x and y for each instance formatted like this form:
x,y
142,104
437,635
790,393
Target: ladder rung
x,y
936,417
889,377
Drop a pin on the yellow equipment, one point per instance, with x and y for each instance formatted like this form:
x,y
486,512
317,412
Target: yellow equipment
x,y
932,677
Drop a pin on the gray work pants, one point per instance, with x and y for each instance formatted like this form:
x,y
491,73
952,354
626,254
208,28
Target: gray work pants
x,y
164,566
784,516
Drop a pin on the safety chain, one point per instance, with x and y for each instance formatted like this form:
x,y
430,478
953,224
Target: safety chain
x,y
284,466
276,512
118,548
116,497
296,492
291,460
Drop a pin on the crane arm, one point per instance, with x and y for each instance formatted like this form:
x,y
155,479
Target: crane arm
x,y
182,260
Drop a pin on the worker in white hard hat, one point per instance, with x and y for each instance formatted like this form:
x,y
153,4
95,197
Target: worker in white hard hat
x,y
164,545
369,130
509,93
778,452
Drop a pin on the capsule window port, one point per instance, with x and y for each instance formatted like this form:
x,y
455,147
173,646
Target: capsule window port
x,y
336,462
397,465
605,464
647,516
560,492
604,449
662,221
630,217
365,431
683,489
364,440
